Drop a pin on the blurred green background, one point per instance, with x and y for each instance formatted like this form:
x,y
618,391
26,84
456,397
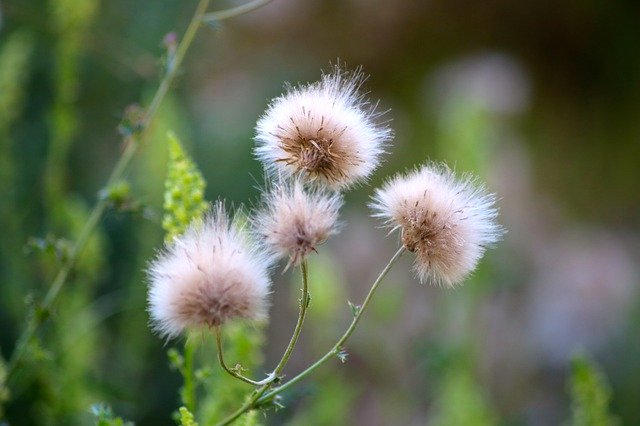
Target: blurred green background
x,y
540,98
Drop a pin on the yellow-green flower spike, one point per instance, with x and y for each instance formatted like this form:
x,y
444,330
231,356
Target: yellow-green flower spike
x,y
186,417
184,191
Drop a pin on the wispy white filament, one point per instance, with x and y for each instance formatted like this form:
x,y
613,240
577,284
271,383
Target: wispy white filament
x,y
207,276
295,220
447,222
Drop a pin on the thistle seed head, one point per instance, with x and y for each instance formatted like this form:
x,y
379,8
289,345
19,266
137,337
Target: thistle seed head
x,y
447,222
207,276
294,221
325,131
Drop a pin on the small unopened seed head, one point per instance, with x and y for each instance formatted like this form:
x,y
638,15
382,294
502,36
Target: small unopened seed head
x,y
447,222
207,276
325,131
295,220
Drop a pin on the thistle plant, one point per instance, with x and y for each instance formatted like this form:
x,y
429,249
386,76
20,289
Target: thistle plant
x,y
314,142
326,131
76,333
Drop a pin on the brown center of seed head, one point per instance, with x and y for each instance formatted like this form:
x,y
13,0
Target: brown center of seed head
x,y
313,155
303,245
421,230
211,306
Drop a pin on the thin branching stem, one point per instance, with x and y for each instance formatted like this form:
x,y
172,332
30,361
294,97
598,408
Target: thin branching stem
x,y
275,375
234,372
261,396
335,350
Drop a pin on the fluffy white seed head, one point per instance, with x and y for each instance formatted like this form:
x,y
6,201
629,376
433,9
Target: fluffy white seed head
x,y
325,131
447,222
295,220
207,276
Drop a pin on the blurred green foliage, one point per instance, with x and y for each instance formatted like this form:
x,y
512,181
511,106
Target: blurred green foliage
x,y
327,397
590,395
4,391
14,60
461,401
104,416
221,393
15,53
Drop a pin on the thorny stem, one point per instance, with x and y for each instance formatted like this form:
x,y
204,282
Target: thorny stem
x,y
259,397
234,372
133,143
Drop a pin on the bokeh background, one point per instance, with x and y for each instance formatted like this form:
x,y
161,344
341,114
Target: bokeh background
x,y
540,98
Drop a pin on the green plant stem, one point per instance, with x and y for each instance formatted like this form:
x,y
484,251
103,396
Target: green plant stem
x,y
189,395
271,378
99,209
221,15
338,346
274,376
304,304
259,397
232,372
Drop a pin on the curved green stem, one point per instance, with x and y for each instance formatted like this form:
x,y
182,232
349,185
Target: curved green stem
x,y
260,396
233,372
99,209
304,304
274,376
338,346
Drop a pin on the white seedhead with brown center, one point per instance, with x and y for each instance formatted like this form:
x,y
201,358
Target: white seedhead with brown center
x,y
207,276
295,220
446,222
325,131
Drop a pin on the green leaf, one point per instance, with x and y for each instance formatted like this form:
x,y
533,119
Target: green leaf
x,y
354,308
342,355
184,191
590,395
